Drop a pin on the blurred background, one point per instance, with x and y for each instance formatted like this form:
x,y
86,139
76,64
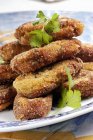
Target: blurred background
x,y
64,5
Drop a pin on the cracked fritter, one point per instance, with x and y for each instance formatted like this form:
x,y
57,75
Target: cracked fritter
x,y
84,83
42,83
6,74
9,50
86,53
37,58
68,28
88,66
7,95
26,109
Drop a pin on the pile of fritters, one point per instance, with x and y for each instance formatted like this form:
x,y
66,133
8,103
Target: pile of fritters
x,y
37,73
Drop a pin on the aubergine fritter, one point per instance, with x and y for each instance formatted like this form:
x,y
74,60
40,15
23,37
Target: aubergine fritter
x,y
37,58
7,95
88,66
26,109
5,105
9,50
86,53
68,28
42,83
84,83
6,74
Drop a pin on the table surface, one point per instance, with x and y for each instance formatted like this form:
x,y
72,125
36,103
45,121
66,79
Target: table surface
x,y
64,5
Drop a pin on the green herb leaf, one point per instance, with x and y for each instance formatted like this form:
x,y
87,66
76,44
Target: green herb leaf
x,y
36,39
36,22
53,24
1,60
70,98
42,17
70,81
39,37
63,101
74,98
47,38
55,17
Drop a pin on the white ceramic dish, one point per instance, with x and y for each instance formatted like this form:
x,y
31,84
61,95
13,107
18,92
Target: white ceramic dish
x,y
8,122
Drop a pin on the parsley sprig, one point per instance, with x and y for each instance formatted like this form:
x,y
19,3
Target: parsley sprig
x,y
70,97
40,37
43,36
53,25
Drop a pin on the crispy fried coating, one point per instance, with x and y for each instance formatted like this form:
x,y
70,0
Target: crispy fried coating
x,y
9,50
5,105
68,28
84,83
37,58
86,53
7,93
6,74
88,66
26,109
42,83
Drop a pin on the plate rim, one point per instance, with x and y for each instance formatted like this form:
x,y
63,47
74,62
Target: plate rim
x,y
38,123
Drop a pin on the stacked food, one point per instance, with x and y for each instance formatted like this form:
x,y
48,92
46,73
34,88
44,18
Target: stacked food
x,y
45,59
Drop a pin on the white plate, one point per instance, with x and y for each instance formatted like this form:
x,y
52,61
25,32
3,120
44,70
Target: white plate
x,y
8,122
54,117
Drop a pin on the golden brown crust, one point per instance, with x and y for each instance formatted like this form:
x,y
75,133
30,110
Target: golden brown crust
x,y
7,93
88,66
5,105
6,74
68,28
37,58
84,83
86,53
26,109
42,83
9,50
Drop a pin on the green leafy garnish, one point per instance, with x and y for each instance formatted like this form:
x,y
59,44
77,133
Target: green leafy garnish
x,y
68,96
1,60
42,18
70,81
63,101
53,24
39,37
74,98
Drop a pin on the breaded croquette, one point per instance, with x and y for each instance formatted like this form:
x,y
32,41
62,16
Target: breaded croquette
x,y
7,94
42,83
5,105
36,58
9,50
26,109
6,74
88,66
86,53
68,28
84,83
